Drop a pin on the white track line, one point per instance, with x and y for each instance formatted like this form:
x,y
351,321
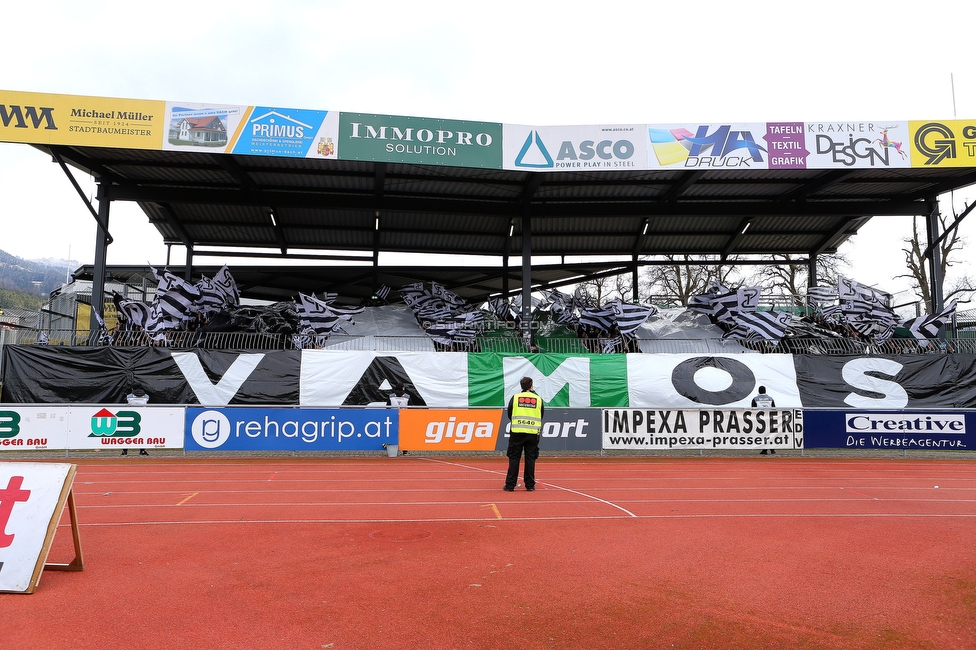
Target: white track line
x,y
546,483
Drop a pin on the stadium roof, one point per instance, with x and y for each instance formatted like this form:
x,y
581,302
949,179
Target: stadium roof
x,y
253,181
353,211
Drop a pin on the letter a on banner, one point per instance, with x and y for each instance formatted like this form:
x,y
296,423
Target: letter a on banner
x,y
32,498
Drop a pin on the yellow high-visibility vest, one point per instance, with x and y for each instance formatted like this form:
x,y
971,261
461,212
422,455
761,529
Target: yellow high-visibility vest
x,y
526,413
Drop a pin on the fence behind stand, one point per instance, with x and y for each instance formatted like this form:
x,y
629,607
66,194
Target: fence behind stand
x,y
507,344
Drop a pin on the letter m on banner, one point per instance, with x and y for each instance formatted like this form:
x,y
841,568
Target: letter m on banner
x,y
570,381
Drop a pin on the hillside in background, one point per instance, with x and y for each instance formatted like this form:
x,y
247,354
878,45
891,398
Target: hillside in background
x,y
27,283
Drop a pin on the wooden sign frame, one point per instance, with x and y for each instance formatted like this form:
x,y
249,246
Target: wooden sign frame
x,y
50,516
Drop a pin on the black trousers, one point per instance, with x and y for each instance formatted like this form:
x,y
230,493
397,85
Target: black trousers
x,y
517,443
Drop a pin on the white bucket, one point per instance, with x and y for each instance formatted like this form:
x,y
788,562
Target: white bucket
x,y
391,450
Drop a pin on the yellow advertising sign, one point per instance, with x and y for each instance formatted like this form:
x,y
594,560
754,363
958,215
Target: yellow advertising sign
x,y
449,429
949,143
74,120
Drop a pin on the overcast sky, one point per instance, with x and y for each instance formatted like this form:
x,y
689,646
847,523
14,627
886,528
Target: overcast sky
x,y
526,62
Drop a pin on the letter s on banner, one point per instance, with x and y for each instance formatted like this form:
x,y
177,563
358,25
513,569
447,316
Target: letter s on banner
x,y
893,396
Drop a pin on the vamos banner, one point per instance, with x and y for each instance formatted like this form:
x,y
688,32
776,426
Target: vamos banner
x,y
703,429
324,378
853,429
290,429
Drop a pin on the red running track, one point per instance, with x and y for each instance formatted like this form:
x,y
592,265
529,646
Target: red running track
x,y
431,553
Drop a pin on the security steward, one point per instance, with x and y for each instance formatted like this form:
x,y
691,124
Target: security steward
x,y
525,411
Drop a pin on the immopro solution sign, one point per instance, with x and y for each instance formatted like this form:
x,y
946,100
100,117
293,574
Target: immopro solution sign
x,y
419,140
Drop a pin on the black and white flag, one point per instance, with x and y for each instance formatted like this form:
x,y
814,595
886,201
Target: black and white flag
x,y
630,316
175,297
822,294
769,325
598,317
226,284
133,312
927,327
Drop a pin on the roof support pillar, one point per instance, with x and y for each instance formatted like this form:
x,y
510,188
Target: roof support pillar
x,y
812,279
935,261
188,268
101,252
633,277
527,279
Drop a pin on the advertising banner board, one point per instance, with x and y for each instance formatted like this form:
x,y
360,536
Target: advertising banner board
x,y
449,429
119,427
564,430
31,428
703,429
74,120
918,430
96,427
290,429
32,497
419,140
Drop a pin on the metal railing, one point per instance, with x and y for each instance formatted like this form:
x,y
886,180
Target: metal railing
x,y
267,341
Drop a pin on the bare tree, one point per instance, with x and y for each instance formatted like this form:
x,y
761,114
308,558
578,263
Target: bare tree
x,y
608,288
685,276
793,279
917,263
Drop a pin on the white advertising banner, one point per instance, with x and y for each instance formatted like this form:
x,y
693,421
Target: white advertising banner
x,y
660,429
847,145
574,148
707,146
31,428
29,494
678,381
119,427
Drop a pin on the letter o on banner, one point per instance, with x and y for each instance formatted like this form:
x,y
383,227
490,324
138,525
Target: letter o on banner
x,y
683,380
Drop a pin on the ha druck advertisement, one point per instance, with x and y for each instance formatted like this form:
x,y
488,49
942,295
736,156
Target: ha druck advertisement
x,y
654,429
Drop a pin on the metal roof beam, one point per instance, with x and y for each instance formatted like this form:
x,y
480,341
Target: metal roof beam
x,y
348,201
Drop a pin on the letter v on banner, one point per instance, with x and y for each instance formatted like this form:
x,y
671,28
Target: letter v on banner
x,y
223,392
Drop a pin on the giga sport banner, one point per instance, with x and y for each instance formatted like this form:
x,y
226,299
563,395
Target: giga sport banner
x,y
325,378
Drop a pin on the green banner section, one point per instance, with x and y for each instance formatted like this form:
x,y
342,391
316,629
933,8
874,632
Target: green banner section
x,y
563,380
419,140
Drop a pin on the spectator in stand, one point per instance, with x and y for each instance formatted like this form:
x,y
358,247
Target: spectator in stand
x,y
763,401
137,397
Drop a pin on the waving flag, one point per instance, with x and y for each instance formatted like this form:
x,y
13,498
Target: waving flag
x,y
225,283
927,327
